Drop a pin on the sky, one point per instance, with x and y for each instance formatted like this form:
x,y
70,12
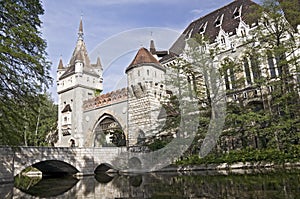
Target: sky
x,y
115,29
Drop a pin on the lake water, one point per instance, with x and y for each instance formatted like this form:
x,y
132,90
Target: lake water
x,y
242,184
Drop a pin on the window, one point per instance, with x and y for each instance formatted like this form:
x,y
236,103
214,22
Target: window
x,y
232,78
139,73
247,71
223,39
218,21
202,28
271,66
148,72
227,84
228,73
243,32
236,13
65,119
255,67
281,64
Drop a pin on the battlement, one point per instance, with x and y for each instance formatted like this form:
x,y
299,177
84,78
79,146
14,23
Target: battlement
x,y
106,99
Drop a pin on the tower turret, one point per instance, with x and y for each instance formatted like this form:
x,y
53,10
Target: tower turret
x,y
145,77
60,68
79,63
76,83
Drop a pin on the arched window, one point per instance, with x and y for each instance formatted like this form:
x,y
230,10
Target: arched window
x,y
247,71
255,67
228,73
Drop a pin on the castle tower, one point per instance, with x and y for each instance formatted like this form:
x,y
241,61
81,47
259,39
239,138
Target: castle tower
x,y
76,82
145,76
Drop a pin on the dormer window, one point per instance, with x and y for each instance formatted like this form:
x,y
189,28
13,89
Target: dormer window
x,y
218,21
202,28
237,12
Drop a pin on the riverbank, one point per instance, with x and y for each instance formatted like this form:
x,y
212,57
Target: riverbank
x,y
240,159
239,167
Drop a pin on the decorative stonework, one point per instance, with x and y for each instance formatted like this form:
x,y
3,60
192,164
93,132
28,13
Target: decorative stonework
x,y
106,99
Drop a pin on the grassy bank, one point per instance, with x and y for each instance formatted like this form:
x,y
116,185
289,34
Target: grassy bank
x,y
247,155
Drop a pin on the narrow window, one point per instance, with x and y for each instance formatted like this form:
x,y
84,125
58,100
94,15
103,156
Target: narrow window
x,y
255,67
243,32
271,66
279,65
139,73
148,72
232,78
222,39
226,81
247,71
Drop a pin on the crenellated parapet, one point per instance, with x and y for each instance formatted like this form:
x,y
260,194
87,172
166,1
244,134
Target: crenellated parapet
x,y
106,99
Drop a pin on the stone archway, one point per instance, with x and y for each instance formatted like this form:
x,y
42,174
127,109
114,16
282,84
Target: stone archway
x,y
108,132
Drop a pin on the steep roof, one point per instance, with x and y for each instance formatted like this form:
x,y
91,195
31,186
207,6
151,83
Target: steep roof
x,y
227,18
143,56
60,64
80,54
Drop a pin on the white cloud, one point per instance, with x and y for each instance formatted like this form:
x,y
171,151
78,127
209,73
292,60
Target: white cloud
x,y
196,11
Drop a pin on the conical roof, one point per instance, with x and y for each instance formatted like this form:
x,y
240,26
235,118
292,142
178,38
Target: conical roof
x,y
79,54
143,56
60,64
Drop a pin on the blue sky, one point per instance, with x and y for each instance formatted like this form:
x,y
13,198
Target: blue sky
x,y
115,27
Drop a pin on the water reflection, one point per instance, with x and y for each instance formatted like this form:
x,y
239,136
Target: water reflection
x,y
266,184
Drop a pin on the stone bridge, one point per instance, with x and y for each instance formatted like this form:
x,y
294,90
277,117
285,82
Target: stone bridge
x,y
57,160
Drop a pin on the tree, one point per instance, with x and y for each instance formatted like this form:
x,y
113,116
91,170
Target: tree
x,y
278,42
24,69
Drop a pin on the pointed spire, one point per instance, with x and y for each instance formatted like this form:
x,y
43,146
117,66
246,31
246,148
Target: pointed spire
x,y
98,64
60,64
80,30
152,47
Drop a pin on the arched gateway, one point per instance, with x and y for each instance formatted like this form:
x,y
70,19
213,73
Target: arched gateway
x,y
109,132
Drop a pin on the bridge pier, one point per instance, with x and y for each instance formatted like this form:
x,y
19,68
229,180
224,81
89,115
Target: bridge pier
x,y
6,165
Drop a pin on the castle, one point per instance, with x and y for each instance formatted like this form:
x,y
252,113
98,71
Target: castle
x,y
122,117
88,118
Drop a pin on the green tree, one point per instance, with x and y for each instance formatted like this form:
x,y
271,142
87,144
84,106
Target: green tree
x,y
24,69
278,41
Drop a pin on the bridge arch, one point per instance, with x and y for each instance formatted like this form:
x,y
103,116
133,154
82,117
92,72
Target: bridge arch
x,y
109,130
103,167
55,167
49,167
40,157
